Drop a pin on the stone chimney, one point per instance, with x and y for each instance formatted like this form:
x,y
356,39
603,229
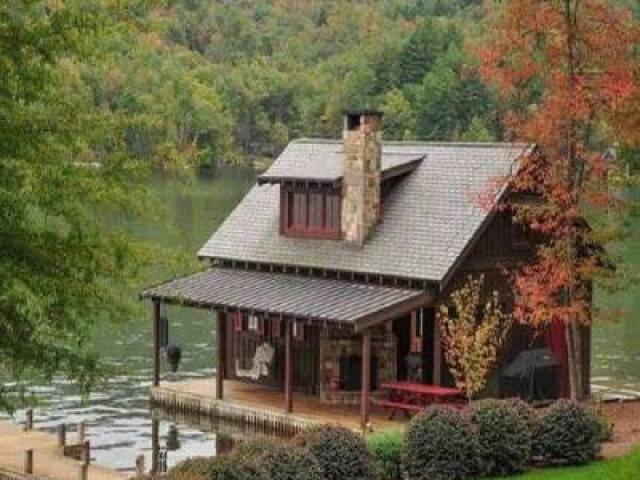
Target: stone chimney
x,y
361,181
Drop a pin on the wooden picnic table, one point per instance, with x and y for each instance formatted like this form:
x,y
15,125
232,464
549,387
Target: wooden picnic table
x,y
413,397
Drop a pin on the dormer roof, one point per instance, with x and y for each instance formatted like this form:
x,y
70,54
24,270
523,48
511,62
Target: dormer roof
x,y
323,161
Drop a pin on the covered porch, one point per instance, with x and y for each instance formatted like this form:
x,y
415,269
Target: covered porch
x,y
308,325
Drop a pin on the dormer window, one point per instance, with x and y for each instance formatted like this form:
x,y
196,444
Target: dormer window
x,y
312,212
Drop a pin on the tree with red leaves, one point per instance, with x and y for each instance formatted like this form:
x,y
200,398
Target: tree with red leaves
x,y
566,70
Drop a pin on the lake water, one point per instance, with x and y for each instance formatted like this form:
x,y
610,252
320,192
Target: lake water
x,y
117,414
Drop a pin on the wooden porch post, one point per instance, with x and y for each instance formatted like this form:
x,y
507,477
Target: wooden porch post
x,y
365,400
221,337
437,353
156,343
288,398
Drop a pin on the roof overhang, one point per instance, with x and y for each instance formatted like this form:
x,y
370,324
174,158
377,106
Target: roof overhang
x,y
388,171
290,296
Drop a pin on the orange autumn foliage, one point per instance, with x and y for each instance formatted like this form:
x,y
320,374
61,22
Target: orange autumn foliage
x,y
568,71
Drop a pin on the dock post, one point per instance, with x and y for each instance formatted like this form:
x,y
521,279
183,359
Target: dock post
x,y
81,432
28,461
28,423
155,446
86,452
156,343
62,435
83,472
140,470
365,399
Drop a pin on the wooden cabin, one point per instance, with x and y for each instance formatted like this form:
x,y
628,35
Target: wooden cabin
x,y
338,257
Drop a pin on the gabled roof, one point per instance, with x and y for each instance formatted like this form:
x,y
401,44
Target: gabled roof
x,y
322,161
429,217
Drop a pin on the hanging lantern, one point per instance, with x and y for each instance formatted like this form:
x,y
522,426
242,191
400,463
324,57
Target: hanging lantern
x,y
174,354
163,326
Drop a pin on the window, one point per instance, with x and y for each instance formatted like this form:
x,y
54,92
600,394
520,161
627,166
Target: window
x,y
313,213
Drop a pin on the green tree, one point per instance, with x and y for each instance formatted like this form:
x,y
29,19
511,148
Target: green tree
x,y
63,165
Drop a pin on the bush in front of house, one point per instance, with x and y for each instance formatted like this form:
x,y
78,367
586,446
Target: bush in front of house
x,y
228,467
526,412
341,453
605,426
387,451
441,445
568,433
290,463
504,438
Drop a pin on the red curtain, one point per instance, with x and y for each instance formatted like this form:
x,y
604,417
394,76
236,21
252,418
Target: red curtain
x,y
557,343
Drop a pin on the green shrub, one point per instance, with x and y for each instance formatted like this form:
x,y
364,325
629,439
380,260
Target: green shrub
x,y
290,463
253,450
605,426
341,453
568,433
197,467
441,445
387,450
528,414
228,467
504,439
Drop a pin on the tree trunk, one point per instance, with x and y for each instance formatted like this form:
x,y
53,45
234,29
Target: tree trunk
x,y
575,361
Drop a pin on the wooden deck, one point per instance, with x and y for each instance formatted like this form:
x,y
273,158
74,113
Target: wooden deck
x,y
49,463
260,407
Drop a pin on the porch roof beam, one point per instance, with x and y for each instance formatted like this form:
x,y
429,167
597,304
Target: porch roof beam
x,y
394,311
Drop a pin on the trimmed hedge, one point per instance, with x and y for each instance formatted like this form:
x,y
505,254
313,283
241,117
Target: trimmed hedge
x,y
526,412
441,445
568,433
341,453
489,438
227,467
290,463
387,450
504,438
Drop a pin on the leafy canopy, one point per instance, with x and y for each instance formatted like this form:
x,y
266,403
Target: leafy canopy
x,y
64,167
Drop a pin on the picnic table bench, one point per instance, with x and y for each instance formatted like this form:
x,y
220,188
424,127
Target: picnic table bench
x,y
411,397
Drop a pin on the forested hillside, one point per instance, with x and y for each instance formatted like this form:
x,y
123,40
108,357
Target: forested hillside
x,y
236,80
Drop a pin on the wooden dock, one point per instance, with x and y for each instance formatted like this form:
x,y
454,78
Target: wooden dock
x,y
49,463
259,407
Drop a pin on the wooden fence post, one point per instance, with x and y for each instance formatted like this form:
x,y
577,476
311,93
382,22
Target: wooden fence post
x,y
81,432
140,470
28,424
83,471
86,452
62,435
28,461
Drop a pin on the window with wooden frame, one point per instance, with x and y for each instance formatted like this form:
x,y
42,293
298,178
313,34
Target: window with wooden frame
x,y
310,212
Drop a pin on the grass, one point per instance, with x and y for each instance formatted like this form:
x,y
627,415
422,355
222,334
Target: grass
x,y
623,468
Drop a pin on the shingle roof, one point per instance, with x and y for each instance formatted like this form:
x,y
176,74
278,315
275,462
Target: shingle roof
x,y
429,217
282,294
322,160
